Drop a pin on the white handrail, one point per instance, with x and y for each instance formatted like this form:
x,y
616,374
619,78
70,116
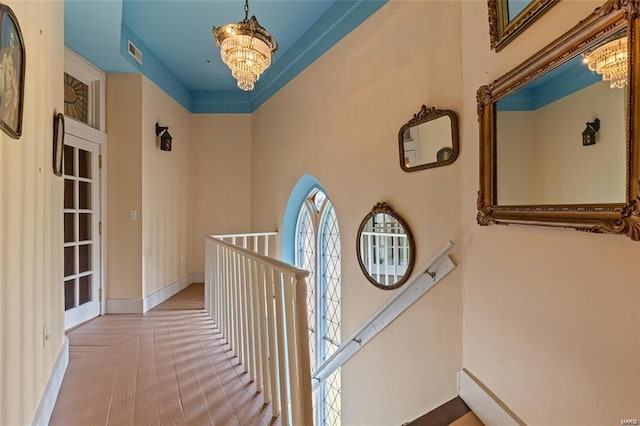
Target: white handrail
x,y
435,269
259,305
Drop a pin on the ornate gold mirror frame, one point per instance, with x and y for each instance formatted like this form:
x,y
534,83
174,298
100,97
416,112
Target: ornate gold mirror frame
x,y
502,30
616,218
385,248
443,143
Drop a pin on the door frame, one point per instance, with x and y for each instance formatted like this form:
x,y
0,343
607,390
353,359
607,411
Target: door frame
x,y
95,79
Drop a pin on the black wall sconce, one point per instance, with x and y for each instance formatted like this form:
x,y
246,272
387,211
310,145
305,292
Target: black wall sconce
x,y
165,137
589,133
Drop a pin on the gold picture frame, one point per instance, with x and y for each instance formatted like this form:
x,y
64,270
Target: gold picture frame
x,y
503,29
12,65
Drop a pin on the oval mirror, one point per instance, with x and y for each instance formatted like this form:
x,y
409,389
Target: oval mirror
x,y
429,139
385,248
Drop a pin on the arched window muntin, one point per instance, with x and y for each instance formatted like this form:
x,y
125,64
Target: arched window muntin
x,y
317,249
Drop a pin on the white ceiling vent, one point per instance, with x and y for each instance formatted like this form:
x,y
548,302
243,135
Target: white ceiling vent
x,y
135,52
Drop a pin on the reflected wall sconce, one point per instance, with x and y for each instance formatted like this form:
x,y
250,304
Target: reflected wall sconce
x,y
165,137
589,133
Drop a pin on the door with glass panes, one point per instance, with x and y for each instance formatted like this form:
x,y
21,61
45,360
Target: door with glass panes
x,y
82,277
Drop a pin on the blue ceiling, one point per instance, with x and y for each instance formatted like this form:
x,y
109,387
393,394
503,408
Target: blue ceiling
x,y
563,81
179,51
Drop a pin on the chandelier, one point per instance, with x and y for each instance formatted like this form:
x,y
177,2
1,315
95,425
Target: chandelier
x,y
611,61
246,47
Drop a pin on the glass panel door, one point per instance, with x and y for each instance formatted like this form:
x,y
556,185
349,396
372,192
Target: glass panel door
x,y
81,231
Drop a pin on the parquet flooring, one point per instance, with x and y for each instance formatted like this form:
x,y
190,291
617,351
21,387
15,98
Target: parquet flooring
x,y
169,366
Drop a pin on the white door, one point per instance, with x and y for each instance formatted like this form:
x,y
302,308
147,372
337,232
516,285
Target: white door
x,y
82,258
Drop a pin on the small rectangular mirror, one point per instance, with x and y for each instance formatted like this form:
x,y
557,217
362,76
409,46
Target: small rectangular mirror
x,y
429,139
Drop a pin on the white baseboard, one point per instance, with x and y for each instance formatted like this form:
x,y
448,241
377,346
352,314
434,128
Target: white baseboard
x,y
140,306
48,401
156,298
484,403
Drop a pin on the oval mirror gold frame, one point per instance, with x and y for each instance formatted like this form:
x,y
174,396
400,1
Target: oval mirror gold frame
x,y
445,149
617,218
402,255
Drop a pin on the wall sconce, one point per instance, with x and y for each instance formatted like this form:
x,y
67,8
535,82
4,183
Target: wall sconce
x,y
589,133
165,137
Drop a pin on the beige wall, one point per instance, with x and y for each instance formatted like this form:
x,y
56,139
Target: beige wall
x,y
545,161
164,190
219,180
551,317
31,289
124,186
339,121
200,187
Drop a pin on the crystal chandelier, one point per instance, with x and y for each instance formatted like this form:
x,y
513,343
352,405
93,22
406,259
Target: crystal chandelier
x,y
610,60
246,47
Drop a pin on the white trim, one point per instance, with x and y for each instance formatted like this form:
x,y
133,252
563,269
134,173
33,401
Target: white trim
x,y
89,74
103,219
124,306
50,395
78,67
484,403
156,298
140,306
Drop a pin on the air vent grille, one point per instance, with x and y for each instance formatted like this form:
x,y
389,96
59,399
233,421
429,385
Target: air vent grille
x,y
135,52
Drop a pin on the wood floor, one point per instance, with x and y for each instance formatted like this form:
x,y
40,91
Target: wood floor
x,y
169,366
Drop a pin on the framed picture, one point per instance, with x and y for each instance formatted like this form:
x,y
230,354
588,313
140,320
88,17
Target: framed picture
x,y
58,143
12,61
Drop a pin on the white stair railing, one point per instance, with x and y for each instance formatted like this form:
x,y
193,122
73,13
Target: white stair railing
x,y
259,305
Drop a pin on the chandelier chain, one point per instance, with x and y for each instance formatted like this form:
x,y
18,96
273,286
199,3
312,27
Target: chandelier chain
x,y
246,10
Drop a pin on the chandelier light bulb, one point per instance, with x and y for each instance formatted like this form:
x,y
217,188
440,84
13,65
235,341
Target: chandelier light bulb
x,y
246,48
611,61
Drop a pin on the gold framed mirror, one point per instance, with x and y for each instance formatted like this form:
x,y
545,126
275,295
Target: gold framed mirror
x,y
385,248
429,139
508,18
538,162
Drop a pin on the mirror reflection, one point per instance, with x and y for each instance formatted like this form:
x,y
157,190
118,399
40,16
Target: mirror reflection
x,y
385,248
561,138
430,139
515,7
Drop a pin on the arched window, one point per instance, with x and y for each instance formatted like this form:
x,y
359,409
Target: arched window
x,y
317,249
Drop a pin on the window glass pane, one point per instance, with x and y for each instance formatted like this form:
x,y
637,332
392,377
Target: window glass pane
x,y
84,195
84,252
69,227
306,259
318,250
69,194
331,274
84,163
76,99
85,227
331,400
68,160
69,261
85,289
69,294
